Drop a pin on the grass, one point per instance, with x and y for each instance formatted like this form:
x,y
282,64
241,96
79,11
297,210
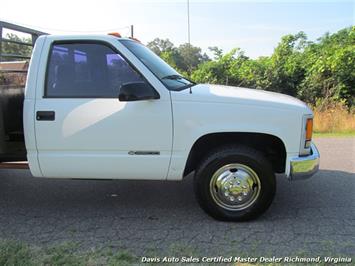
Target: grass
x,y
333,134
334,119
15,253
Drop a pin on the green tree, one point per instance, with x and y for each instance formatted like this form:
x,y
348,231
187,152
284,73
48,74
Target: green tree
x,y
311,71
184,58
286,70
190,57
224,69
218,53
255,73
330,70
159,46
171,57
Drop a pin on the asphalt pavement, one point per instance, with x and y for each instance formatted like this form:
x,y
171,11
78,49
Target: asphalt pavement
x,y
311,217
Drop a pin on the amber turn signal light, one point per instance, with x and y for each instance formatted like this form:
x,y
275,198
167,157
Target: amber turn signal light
x,y
309,128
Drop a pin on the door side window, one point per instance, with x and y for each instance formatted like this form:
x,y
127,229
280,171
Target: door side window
x,y
87,70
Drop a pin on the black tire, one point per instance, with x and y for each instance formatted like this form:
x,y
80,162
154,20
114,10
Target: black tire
x,y
243,155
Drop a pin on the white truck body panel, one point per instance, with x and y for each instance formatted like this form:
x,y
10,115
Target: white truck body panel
x,y
92,138
232,110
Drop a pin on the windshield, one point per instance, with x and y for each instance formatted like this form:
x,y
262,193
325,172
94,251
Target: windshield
x,y
165,73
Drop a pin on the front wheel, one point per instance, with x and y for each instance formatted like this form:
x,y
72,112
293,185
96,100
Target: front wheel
x,y
235,184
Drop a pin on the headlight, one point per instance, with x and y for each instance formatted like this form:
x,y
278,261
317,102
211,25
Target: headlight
x,y
306,135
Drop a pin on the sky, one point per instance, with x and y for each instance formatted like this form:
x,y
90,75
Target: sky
x,y
254,26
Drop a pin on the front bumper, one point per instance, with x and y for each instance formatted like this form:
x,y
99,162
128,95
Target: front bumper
x,y
306,166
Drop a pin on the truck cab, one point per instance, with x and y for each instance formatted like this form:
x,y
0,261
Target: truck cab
x,y
103,107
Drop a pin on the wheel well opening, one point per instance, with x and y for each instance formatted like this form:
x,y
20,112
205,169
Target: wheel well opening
x,y
271,146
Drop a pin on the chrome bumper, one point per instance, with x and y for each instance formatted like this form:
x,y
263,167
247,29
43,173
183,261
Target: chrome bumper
x,y
306,166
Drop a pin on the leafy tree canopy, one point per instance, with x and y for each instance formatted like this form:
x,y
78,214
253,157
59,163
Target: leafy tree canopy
x,y
311,71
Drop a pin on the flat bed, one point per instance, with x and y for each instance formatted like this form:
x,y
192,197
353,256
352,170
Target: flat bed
x,y
14,61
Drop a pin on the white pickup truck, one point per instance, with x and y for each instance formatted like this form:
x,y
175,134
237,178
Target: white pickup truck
x,y
104,107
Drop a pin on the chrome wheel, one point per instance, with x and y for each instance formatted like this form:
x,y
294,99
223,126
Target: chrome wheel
x,y
235,187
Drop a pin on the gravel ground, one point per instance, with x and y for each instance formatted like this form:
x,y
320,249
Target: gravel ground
x,y
312,217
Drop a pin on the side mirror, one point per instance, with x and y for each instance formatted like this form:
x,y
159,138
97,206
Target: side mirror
x,y
137,91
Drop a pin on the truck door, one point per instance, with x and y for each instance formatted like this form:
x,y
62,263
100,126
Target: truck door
x,y
84,131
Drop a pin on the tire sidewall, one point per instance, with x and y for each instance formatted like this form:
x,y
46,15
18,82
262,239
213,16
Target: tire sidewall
x,y
264,172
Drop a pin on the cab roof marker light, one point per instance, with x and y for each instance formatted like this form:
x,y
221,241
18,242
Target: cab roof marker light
x,y
116,34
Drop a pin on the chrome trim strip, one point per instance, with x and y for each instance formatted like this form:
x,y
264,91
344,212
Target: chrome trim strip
x,y
304,167
144,152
